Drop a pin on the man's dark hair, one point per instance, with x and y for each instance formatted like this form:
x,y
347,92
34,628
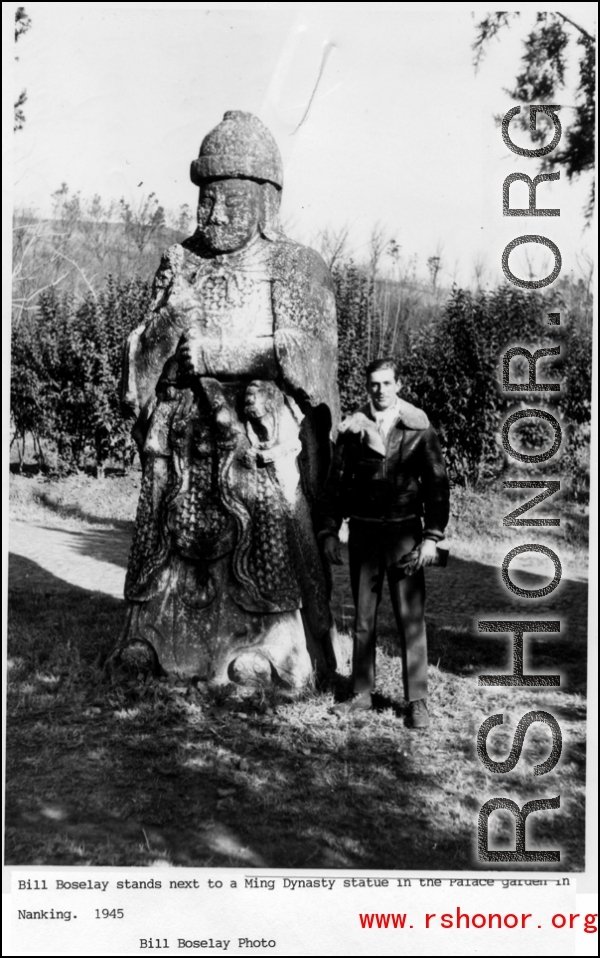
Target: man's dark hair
x,y
385,362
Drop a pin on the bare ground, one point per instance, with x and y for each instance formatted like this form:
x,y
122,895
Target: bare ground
x,y
129,770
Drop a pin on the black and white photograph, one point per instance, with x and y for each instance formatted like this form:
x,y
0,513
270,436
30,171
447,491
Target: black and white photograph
x,y
300,478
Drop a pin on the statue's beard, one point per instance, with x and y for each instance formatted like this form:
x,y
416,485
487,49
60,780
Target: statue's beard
x,y
227,239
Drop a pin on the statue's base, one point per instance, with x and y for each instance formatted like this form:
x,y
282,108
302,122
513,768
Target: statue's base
x,y
271,651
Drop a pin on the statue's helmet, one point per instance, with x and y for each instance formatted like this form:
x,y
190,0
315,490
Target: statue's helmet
x,y
242,147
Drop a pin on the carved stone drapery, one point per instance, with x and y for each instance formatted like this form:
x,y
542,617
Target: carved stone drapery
x,y
232,384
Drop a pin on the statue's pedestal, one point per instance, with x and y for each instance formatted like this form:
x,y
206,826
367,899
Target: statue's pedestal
x,y
229,645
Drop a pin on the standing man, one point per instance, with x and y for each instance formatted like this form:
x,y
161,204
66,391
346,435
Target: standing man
x,y
388,477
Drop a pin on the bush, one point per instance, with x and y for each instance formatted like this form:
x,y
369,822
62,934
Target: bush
x,y
66,365
65,373
354,300
452,369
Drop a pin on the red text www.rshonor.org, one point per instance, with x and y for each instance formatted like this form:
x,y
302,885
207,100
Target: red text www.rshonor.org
x,y
462,919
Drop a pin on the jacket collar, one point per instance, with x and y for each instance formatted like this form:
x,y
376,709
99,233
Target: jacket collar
x,y
385,417
409,416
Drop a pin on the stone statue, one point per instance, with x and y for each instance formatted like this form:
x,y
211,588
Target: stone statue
x,y
232,383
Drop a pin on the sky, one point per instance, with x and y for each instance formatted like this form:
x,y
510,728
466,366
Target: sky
x,y
398,132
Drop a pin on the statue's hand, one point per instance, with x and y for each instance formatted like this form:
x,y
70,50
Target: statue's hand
x,y
190,355
256,457
248,458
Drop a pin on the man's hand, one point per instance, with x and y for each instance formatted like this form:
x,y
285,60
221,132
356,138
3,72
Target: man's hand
x,y
422,555
332,550
427,553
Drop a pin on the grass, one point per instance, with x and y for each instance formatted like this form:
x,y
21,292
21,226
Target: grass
x,y
475,529
122,768
76,500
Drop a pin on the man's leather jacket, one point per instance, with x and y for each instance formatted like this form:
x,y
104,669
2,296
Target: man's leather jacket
x,y
401,478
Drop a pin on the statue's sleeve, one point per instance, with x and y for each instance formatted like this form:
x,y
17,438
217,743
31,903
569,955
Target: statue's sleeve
x,y
306,327
305,341
151,344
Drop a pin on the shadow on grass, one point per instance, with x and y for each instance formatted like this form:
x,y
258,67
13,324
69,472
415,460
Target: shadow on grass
x,y
468,591
110,545
74,511
469,653
26,576
128,770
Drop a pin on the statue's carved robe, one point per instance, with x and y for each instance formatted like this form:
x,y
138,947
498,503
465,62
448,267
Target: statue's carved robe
x,y
225,579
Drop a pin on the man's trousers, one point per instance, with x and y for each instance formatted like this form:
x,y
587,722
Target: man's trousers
x,y
373,549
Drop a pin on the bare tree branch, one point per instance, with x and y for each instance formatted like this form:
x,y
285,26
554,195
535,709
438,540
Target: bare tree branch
x,y
333,244
80,270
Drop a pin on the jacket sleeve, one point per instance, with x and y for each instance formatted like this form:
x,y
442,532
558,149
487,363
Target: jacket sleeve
x,y
435,487
329,512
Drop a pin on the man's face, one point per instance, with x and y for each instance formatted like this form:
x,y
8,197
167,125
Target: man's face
x,y
383,387
229,213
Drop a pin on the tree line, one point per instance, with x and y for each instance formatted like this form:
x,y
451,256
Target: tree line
x,y
81,285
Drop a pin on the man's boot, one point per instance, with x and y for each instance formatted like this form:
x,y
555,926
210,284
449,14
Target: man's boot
x,y
418,714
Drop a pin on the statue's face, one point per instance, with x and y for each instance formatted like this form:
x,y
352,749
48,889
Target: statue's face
x,y
229,213
255,405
